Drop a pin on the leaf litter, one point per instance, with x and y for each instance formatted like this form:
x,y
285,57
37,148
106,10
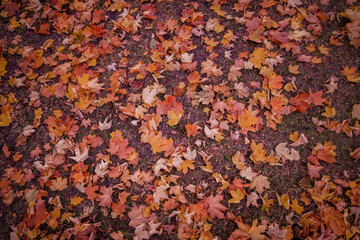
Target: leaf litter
x,y
179,120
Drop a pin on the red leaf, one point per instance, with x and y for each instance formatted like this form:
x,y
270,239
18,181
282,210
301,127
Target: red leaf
x,y
44,29
214,207
120,148
105,199
98,16
325,156
12,8
38,215
90,191
316,98
301,102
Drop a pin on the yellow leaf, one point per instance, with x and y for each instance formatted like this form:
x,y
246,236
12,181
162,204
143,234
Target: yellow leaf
x,y
38,113
237,196
76,200
285,202
83,80
295,206
329,112
174,117
258,57
3,64
219,137
324,50
186,165
156,143
294,69
310,47
5,119
258,154
294,136
271,159
13,24
247,121
58,113
219,28
351,74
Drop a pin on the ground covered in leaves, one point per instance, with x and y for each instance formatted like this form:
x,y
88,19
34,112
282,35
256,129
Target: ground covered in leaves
x,y
179,120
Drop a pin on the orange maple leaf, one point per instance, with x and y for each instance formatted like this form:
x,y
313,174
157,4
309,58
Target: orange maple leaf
x,y
192,129
301,102
247,121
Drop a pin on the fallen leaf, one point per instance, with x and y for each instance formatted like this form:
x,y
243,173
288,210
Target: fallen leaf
x,y
214,207
260,183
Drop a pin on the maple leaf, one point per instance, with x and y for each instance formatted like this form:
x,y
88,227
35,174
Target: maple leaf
x,y
247,173
34,5
3,64
141,232
294,69
80,157
335,220
260,182
290,154
136,216
316,98
120,149
258,57
247,121
296,207
244,231
331,84
28,130
258,154
98,16
12,8
299,141
275,232
356,153
191,129
90,191
214,207
174,117
210,133
294,3
220,105
59,184
301,102
185,165
355,211
105,198
102,169
356,111
314,170
237,196
94,85
210,69
118,208
105,125
351,74
284,201
325,156
44,29
37,215
279,37
76,201
160,194
189,155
